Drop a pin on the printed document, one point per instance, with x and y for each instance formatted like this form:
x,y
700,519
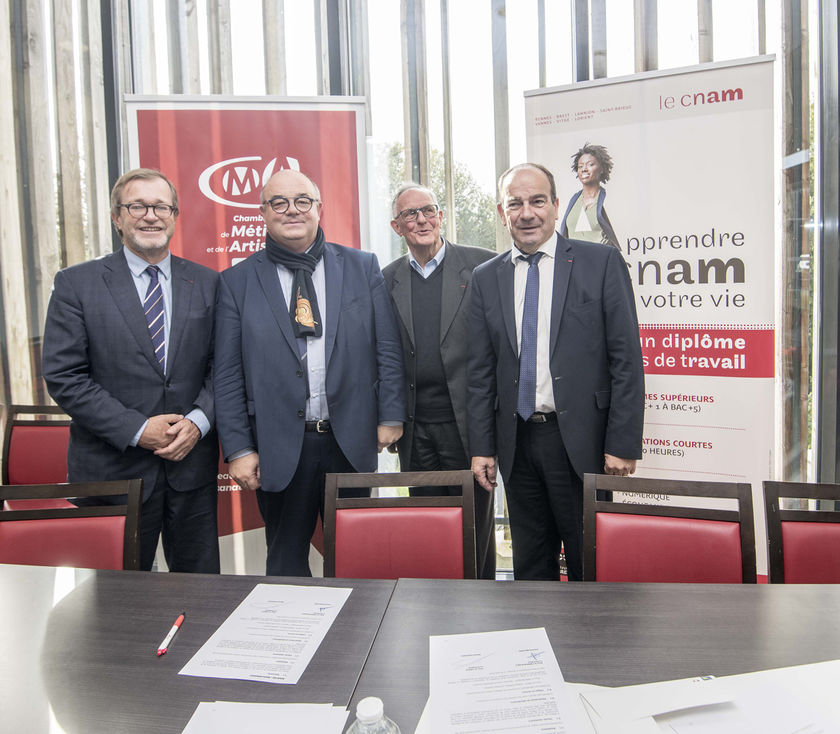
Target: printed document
x,y
271,636
505,681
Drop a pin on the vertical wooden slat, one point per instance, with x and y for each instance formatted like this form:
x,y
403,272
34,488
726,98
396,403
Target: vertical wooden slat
x,y
124,79
96,145
598,22
17,369
43,251
218,33
360,54
190,48
448,153
69,153
322,49
501,118
175,35
705,31
580,39
274,40
645,31
144,56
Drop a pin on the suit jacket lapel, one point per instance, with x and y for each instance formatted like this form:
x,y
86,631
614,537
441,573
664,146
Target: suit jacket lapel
x,y
267,275
334,284
504,276
120,284
454,288
182,288
563,261
401,294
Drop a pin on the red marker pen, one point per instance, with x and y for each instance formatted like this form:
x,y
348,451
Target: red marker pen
x,y
168,638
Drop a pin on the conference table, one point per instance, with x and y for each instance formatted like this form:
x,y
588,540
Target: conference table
x,y
606,634
78,647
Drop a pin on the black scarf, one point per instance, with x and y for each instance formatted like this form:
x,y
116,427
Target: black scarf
x,y
303,305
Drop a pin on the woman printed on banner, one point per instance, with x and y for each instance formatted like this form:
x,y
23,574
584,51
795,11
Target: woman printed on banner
x,y
585,217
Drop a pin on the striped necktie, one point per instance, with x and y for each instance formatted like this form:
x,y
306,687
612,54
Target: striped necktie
x,y
153,306
527,397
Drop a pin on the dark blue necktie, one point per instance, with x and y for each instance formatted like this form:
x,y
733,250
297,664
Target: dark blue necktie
x,y
527,401
153,306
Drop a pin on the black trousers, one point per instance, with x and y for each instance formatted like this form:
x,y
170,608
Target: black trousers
x,y
437,447
545,502
186,521
290,515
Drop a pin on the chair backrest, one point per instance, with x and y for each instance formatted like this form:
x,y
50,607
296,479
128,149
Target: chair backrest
x,y
399,537
639,541
35,447
803,544
38,534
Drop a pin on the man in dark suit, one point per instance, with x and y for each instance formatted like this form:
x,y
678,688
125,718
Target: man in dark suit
x,y
309,376
556,387
128,347
429,287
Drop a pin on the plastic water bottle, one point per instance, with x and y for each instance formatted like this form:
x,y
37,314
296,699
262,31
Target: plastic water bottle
x,y
371,719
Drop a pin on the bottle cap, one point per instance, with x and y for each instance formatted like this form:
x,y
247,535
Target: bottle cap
x,y
370,709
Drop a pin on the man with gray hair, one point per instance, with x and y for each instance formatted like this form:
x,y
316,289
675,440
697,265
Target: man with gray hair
x,y
128,355
429,288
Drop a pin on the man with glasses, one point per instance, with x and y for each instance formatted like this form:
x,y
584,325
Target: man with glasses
x,y
309,375
128,347
429,288
556,387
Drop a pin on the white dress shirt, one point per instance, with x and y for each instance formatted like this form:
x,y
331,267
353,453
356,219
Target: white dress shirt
x,y
545,394
426,270
316,356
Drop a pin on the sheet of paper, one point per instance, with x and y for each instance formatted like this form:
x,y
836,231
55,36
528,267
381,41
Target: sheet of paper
x,y
499,681
795,700
271,636
229,717
617,707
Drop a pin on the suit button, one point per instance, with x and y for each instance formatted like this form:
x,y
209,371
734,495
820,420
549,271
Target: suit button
x,y
411,417
411,354
299,373
515,380
301,413
411,386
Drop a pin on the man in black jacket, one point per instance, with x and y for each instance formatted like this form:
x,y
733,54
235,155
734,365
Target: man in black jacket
x,y
429,287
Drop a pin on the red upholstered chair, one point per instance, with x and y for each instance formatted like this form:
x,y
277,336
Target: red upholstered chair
x,y
803,542
86,537
35,446
643,542
35,450
399,537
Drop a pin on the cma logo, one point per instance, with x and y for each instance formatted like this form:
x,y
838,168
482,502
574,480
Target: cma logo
x,y
237,181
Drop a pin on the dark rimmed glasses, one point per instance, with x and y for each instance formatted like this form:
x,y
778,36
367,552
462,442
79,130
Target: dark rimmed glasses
x,y
280,204
138,210
410,215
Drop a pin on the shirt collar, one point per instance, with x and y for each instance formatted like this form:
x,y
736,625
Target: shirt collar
x,y
547,248
433,263
137,265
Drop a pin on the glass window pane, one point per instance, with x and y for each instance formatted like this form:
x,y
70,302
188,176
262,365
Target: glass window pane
x,y
677,34
735,27
558,47
620,44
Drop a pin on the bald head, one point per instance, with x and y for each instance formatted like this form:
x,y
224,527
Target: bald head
x,y
296,195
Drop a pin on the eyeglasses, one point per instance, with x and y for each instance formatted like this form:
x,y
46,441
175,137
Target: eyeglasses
x,y
280,204
138,210
410,215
